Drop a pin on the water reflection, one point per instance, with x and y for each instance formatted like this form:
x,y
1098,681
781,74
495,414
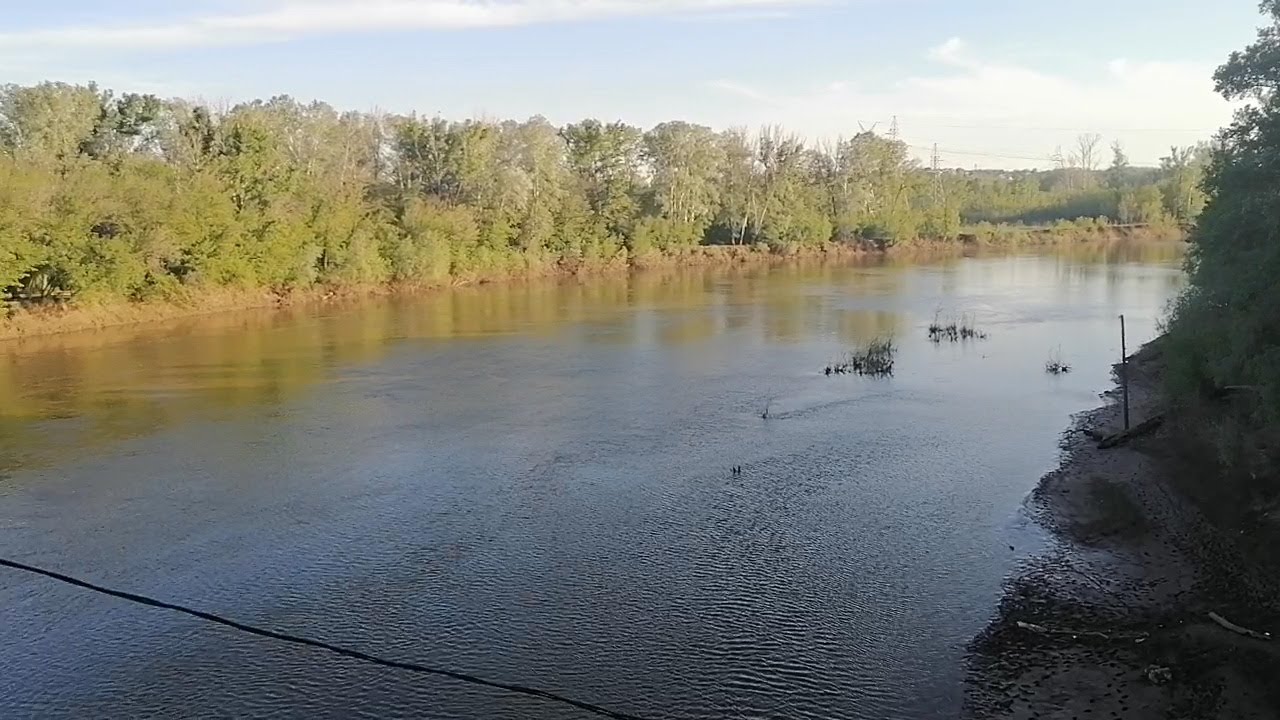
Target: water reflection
x,y
128,382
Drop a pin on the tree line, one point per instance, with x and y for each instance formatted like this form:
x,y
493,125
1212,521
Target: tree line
x,y
128,196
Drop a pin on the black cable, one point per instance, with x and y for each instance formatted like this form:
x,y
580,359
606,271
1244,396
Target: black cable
x,y
345,652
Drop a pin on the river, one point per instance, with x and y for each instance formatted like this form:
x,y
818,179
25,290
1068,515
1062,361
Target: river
x,y
531,482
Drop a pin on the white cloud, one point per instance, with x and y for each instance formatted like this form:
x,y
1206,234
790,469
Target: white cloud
x,y
951,52
287,19
967,103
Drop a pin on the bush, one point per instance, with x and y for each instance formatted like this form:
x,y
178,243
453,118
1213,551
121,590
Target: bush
x,y
423,252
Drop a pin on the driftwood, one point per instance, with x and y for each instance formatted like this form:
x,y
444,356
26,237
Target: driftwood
x,y
1228,625
1227,392
1145,427
1077,634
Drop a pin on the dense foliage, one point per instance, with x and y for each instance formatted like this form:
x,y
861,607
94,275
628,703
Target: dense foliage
x,y
1226,328
132,197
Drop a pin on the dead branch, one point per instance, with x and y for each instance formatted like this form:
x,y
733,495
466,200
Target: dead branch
x,y
1228,625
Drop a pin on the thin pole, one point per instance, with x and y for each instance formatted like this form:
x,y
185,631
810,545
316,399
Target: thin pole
x,y
1124,372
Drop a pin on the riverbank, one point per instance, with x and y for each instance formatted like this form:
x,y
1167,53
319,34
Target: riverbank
x,y
51,319
1115,622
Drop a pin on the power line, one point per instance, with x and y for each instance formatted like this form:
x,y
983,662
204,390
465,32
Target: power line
x,y
339,650
1042,158
968,126
999,156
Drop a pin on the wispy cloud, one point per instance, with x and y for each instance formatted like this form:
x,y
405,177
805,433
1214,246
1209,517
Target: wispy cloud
x,y
951,52
1006,112
750,93
284,20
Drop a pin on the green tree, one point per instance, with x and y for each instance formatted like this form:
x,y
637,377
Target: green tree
x,y
879,186
1118,173
1141,205
50,121
1184,171
540,158
738,186
126,125
684,163
21,202
605,159
1226,326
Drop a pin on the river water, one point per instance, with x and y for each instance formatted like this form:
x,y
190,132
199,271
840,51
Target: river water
x,y
531,483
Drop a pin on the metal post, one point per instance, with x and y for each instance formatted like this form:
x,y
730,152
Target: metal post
x,y
1124,372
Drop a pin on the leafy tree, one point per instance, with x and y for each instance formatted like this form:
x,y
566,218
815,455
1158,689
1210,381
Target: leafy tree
x,y
605,160
21,190
536,154
1226,326
1142,205
48,122
739,186
684,164
1117,174
1184,171
125,125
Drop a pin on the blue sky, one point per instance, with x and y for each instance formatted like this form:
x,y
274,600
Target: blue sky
x,y
993,82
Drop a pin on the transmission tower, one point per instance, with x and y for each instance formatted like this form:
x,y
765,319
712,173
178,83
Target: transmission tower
x,y
936,164
893,129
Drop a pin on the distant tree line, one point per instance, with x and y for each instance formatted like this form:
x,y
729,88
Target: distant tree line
x,y
1080,186
133,197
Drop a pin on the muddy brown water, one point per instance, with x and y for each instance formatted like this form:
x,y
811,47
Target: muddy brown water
x,y
530,482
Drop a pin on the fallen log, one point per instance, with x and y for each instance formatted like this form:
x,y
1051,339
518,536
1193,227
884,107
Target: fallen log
x,y
1145,427
1228,625
1228,392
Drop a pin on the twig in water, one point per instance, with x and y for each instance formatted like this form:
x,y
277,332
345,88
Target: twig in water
x,y
768,404
1055,365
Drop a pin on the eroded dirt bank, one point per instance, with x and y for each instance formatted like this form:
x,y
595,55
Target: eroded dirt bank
x,y
1115,621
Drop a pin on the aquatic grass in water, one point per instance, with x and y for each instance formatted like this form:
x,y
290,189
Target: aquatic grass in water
x,y
1055,364
955,330
874,360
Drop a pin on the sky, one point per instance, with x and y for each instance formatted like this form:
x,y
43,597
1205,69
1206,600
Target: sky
x,y
994,83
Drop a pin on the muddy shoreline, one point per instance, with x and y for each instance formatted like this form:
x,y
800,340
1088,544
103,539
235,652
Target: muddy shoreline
x,y
57,319
1113,621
